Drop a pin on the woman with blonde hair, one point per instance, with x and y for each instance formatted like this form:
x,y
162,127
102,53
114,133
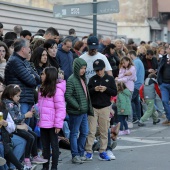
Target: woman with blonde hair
x,y
141,51
120,48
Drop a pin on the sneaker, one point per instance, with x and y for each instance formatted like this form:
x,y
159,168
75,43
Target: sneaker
x,y
39,160
2,161
135,121
89,156
77,160
27,163
83,158
121,133
166,122
111,155
104,157
130,125
141,124
163,116
127,132
154,123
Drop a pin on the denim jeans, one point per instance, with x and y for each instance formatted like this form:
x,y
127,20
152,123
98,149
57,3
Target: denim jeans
x,y
123,123
49,140
25,107
66,130
136,107
18,148
78,133
165,91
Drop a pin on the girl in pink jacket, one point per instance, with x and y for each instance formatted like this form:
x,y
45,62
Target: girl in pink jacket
x,y
51,104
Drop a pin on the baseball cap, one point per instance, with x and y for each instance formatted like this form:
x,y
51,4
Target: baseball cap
x,y
92,42
98,64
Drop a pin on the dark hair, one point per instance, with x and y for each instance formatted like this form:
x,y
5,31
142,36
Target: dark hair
x,y
49,43
52,31
48,88
36,57
24,33
126,59
38,43
10,91
152,75
107,49
132,52
1,25
2,44
40,32
120,86
66,40
71,31
19,43
78,45
10,36
149,52
142,42
84,37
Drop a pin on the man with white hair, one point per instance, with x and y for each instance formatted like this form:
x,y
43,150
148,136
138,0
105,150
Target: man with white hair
x,y
105,42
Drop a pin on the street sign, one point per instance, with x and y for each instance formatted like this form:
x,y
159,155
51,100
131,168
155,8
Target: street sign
x,y
84,9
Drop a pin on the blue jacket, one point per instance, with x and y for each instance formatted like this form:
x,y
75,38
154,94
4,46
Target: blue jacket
x,y
140,73
19,71
65,60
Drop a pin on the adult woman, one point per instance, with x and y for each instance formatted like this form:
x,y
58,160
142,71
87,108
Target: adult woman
x,y
119,48
141,52
4,54
40,59
113,59
78,49
51,46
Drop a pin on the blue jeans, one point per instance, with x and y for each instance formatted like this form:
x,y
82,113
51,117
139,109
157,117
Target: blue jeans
x,y
18,148
66,130
136,105
165,91
78,133
122,120
25,107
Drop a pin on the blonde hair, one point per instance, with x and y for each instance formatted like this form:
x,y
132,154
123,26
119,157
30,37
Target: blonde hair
x,y
141,47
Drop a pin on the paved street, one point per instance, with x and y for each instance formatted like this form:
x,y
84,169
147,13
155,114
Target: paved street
x,y
146,148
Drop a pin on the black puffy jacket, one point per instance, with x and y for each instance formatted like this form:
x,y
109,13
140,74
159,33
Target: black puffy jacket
x,y
19,71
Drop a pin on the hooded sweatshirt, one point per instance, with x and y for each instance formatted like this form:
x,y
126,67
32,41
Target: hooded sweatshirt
x,y
65,61
77,95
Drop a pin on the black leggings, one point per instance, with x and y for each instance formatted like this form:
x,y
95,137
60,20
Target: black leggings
x,y
31,138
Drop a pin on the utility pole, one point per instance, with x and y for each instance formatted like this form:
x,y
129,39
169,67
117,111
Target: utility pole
x,y
95,17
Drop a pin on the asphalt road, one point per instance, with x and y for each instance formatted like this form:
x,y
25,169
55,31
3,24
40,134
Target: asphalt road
x,y
146,148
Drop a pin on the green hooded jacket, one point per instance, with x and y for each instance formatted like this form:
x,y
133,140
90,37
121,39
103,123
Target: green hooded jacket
x,y
77,102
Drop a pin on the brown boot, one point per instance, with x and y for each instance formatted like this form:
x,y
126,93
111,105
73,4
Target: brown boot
x,y
166,123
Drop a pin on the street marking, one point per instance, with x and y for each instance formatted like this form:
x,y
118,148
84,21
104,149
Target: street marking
x,y
131,147
140,140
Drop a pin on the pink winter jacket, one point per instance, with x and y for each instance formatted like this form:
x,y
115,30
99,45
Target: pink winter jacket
x,y
128,80
52,109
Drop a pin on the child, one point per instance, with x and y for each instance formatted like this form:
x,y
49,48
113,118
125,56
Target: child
x,y
78,107
51,104
10,97
148,94
101,88
123,107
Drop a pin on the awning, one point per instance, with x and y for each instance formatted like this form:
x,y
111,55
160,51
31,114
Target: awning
x,y
154,24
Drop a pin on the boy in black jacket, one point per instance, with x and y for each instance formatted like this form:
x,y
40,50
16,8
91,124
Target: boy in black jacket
x,y
101,87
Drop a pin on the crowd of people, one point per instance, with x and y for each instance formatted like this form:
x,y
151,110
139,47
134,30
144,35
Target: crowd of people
x,y
82,92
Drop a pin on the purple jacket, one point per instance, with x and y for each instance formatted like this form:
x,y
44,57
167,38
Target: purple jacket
x,y
128,80
52,109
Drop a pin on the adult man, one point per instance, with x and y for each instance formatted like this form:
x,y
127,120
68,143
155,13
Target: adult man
x,y
17,30
163,78
52,33
65,57
140,74
105,42
150,63
93,55
72,36
26,35
18,71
